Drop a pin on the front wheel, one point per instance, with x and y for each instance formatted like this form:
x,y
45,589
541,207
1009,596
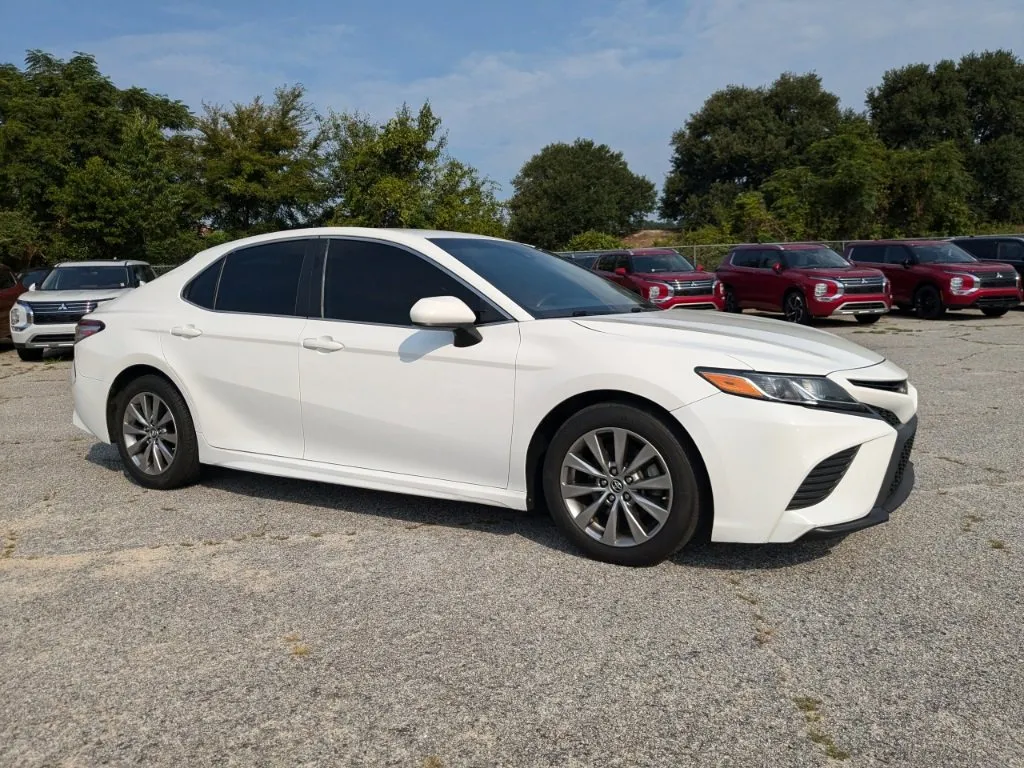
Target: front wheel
x,y
155,434
928,303
867,319
30,355
732,304
621,486
994,311
794,307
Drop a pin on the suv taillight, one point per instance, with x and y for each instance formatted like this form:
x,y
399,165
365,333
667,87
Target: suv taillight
x,y
87,328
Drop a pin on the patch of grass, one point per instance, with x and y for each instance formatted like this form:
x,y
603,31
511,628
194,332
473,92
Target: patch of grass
x,y
300,649
810,707
997,544
764,635
292,637
734,580
210,543
433,761
317,534
9,545
747,598
280,536
187,544
830,746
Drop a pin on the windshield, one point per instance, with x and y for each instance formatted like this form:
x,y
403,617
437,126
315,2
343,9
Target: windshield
x,y
944,253
85,278
810,258
660,262
543,285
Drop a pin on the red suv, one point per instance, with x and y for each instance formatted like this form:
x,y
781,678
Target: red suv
x,y
803,281
935,275
663,277
10,290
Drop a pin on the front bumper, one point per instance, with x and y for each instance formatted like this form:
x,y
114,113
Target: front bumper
x,y
56,336
709,301
851,304
896,487
984,298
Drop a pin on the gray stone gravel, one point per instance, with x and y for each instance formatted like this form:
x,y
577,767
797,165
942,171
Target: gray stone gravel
x,y
257,621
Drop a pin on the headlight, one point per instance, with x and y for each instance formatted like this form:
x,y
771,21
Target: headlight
x,y
963,284
659,292
21,316
828,290
800,390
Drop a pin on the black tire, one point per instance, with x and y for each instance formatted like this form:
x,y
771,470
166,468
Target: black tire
x,y
183,468
731,303
867,319
794,308
684,511
994,311
30,355
928,303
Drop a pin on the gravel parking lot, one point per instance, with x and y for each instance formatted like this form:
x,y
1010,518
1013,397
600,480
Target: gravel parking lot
x,y
253,620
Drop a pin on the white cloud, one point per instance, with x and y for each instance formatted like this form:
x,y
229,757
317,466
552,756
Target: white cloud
x,y
629,78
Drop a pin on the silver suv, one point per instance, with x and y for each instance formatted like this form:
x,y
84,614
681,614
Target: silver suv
x,y
45,317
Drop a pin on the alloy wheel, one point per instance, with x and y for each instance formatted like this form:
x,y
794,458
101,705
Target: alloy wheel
x,y
795,309
616,486
150,433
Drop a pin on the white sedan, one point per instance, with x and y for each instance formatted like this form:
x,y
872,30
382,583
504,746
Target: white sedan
x,y
472,368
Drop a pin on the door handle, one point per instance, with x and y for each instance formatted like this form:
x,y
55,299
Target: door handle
x,y
186,332
323,344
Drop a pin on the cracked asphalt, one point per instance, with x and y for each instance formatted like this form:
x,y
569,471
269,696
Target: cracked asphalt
x,y
259,621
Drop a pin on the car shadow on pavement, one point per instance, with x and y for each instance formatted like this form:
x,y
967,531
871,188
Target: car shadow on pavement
x,y
414,512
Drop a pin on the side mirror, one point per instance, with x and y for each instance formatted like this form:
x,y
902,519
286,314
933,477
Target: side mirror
x,y
700,267
777,267
908,263
32,287
620,271
448,313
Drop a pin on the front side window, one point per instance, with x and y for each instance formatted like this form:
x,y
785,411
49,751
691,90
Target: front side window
x,y
652,263
769,259
941,253
84,278
543,286
262,279
867,254
372,282
896,254
814,258
606,263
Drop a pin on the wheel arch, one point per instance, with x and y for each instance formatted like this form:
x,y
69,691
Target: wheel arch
x,y
130,374
557,416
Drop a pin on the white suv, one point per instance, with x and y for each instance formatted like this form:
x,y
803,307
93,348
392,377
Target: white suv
x,y
45,317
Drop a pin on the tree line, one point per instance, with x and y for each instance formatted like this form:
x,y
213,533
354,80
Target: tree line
x,y
91,170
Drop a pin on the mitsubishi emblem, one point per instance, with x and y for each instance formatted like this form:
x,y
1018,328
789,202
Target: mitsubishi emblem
x,y
63,307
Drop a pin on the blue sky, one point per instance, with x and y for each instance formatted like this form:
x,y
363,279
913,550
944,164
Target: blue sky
x,y
509,77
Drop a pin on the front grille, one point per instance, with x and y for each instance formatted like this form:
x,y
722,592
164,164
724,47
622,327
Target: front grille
x,y
863,306
51,338
999,280
887,386
855,285
57,312
823,479
890,418
692,287
997,301
901,467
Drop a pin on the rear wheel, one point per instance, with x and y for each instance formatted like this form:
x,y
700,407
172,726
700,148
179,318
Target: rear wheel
x,y
155,434
732,304
928,303
794,307
868,319
994,311
621,486
30,355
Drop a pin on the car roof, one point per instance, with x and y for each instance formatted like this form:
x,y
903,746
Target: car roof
x,y
926,241
779,246
110,263
986,237
651,251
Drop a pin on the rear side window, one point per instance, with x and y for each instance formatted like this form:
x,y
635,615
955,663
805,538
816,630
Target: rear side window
x,y
202,291
982,249
263,279
1010,250
369,282
745,258
869,254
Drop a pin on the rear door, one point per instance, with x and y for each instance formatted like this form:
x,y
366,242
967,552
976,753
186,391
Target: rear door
x,y
772,285
904,278
235,341
10,290
740,275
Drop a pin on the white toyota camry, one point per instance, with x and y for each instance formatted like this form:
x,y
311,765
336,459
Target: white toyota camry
x,y
473,368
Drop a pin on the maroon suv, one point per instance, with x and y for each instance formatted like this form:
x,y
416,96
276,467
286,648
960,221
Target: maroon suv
x,y
803,281
932,276
663,277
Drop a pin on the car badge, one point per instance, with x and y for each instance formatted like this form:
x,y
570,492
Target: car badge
x,y
63,307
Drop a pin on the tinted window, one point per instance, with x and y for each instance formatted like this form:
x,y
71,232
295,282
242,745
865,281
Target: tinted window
x,y
983,249
622,261
541,285
941,253
367,282
606,263
203,288
86,278
263,279
769,258
870,254
810,258
896,254
660,262
34,276
1010,250
745,258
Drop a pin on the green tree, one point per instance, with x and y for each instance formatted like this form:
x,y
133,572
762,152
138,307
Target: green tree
x,y
567,189
929,191
20,241
261,165
917,106
593,241
397,174
738,139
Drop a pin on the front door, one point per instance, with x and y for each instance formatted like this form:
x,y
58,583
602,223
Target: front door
x,y
381,394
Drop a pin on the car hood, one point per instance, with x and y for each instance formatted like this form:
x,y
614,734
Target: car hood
x,y
838,273
673,276
977,268
757,343
93,294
